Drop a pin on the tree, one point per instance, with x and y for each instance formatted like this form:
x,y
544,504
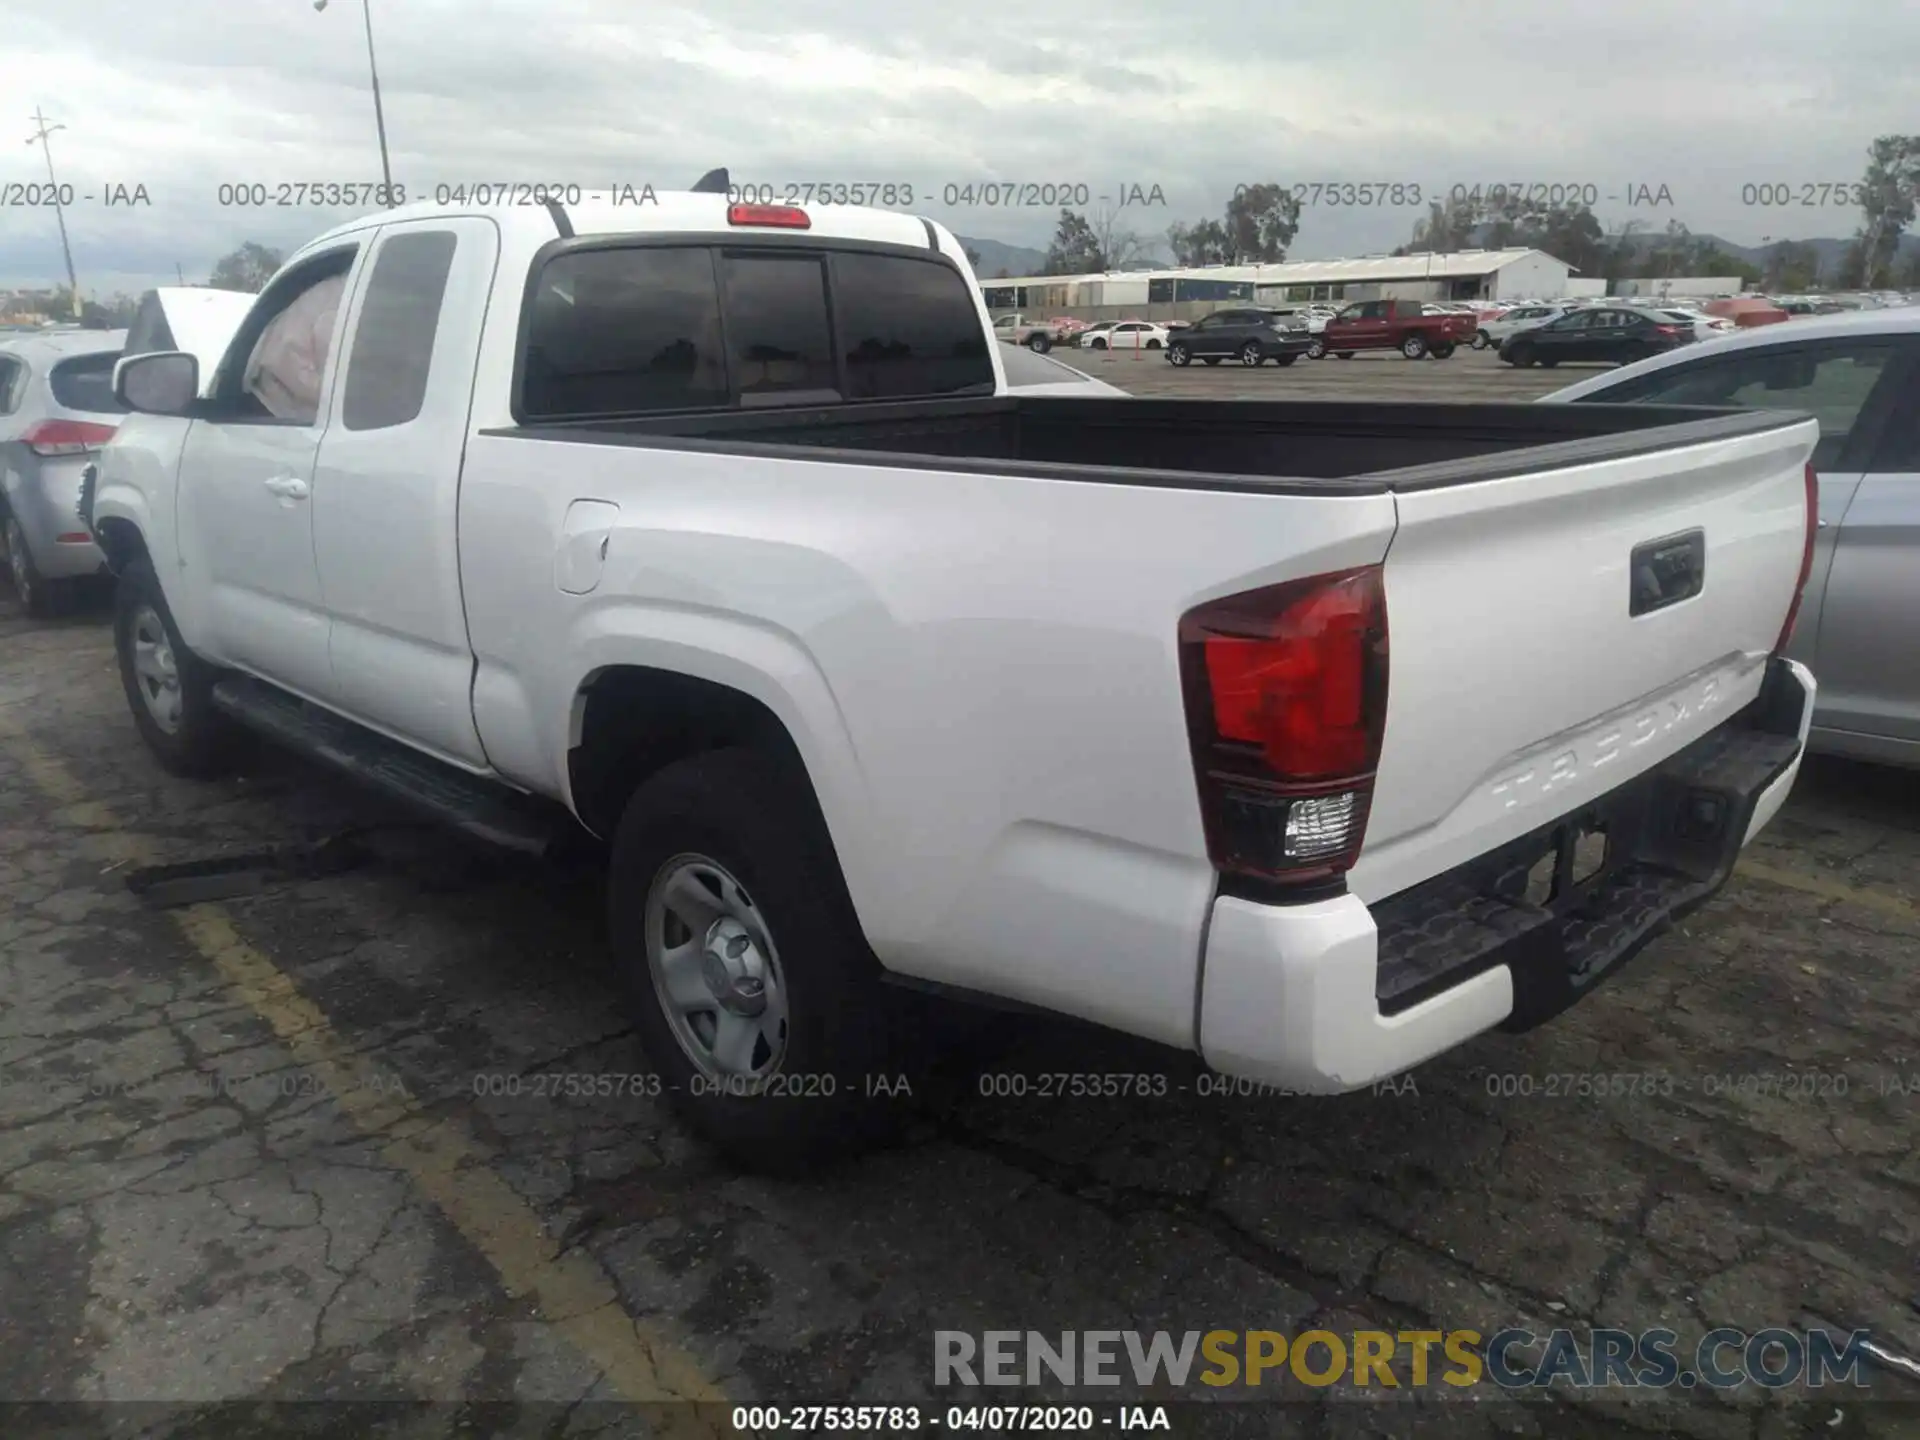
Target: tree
x,y
1075,249
1202,244
1890,194
1121,246
248,268
1261,222
1791,265
1446,227
973,257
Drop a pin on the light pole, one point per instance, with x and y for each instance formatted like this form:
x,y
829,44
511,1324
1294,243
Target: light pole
x,y
379,115
40,133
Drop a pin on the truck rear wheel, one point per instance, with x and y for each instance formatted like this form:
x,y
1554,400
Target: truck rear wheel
x,y
169,688
750,982
1443,350
1040,342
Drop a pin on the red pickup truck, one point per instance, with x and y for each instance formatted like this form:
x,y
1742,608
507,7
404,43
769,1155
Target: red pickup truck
x,y
1401,325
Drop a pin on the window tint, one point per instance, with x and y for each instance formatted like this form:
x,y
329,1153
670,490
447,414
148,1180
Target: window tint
x,y
907,327
1899,448
1832,383
393,340
617,331
1578,320
10,373
86,383
777,339
289,360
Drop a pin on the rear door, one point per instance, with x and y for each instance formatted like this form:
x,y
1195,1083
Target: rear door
x,y
387,484
1564,339
1869,621
1522,684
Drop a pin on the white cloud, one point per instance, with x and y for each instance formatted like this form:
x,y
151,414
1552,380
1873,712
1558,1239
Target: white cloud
x,y
183,95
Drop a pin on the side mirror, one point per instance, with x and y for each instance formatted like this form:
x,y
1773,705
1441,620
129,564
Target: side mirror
x,y
166,383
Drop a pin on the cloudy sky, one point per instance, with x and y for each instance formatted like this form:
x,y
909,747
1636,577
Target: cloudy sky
x,y
181,96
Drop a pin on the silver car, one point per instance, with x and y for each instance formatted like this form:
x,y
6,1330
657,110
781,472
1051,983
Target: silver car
x,y
1859,625
56,410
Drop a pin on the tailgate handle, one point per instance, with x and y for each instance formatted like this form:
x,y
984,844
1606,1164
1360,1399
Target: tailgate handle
x,y
1666,571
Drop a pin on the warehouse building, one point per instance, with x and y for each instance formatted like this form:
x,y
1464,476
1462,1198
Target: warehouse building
x,y
1171,294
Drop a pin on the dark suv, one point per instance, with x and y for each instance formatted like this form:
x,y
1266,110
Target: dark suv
x,y
1252,337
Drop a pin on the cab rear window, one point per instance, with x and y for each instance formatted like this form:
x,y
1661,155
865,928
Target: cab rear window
x,y
647,328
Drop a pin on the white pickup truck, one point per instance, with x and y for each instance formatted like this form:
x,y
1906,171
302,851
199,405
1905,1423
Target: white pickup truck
x,y
712,528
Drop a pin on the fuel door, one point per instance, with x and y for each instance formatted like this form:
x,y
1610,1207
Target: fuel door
x,y
584,539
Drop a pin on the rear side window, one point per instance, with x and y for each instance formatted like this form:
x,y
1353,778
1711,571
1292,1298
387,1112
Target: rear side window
x,y
393,338
11,374
777,333
907,327
1832,382
616,332
86,384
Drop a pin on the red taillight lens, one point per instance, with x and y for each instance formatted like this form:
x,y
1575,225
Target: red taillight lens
x,y
785,217
1286,692
66,437
1806,560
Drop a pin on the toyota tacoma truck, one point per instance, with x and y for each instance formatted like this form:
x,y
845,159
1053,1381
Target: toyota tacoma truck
x,y
1312,738
1402,325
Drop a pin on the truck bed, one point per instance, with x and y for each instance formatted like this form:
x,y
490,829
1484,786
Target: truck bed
x,y
1282,445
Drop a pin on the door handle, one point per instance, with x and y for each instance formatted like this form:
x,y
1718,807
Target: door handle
x,y
289,487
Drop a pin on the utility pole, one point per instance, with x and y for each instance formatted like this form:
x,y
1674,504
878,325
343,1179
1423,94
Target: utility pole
x,y
40,133
379,115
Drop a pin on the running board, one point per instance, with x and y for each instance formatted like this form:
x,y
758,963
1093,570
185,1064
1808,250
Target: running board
x,y
481,808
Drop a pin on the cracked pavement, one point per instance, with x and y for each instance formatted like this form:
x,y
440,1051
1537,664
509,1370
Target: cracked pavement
x,y
220,1189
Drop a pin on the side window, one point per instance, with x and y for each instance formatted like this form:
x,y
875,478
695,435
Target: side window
x,y
1832,383
11,374
286,343
777,335
620,331
1577,320
907,327
386,379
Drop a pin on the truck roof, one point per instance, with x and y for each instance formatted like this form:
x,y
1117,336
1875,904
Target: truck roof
x,y
641,210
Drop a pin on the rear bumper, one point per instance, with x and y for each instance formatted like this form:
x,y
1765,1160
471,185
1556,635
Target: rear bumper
x,y
1331,995
46,500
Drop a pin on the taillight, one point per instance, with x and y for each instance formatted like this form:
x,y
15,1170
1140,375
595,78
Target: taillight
x,y
1669,330
66,437
786,217
1286,695
1806,560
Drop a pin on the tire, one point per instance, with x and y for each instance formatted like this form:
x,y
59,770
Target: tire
x,y
1252,355
1414,347
1481,340
1520,358
1317,350
1040,342
1442,351
200,742
38,596
1179,355
1099,345
755,827
1284,360
1153,344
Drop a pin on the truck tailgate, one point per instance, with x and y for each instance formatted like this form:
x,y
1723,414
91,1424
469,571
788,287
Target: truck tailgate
x,y
1522,683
